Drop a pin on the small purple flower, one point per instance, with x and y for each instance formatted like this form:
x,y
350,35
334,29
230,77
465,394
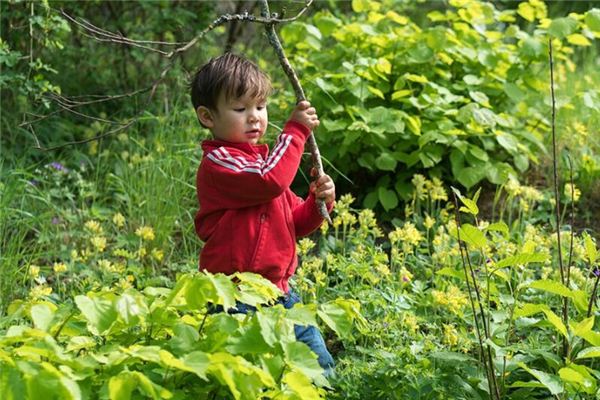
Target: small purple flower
x,y
597,272
405,278
58,166
488,261
55,221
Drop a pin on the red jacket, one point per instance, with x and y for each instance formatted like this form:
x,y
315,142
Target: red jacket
x,y
249,218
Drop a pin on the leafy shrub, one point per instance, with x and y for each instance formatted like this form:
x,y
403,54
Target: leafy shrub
x,y
463,98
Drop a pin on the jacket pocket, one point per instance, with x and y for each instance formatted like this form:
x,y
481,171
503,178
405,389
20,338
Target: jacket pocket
x,y
262,227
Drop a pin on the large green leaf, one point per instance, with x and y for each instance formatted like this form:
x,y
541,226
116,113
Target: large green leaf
x,y
592,19
472,236
562,27
386,162
340,314
578,376
99,311
550,382
388,198
590,352
42,315
522,259
552,287
301,358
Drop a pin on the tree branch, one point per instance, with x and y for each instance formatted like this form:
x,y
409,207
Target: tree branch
x,y
293,78
102,35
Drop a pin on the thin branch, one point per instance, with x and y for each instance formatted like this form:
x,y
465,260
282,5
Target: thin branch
x,y
563,277
293,78
103,35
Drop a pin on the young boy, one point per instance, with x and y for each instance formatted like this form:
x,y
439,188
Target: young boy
x,y
249,218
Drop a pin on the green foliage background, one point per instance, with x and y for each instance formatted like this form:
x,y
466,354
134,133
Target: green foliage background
x,y
99,297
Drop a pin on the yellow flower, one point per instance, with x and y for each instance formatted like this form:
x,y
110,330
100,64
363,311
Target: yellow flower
x,y
410,321
512,187
93,226
34,271
429,222
142,252
124,253
418,182
450,335
304,246
572,193
436,190
405,275
105,265
324,227
145,232
59,267
99,243
453,299
157,254
119,220
38,291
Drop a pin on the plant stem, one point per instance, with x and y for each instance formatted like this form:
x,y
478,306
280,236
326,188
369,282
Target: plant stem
x,y
563,278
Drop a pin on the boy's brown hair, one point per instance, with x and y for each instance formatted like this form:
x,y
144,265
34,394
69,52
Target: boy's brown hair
x,y
230,74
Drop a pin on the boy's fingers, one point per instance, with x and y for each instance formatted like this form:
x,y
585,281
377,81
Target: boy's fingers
x,y
303,105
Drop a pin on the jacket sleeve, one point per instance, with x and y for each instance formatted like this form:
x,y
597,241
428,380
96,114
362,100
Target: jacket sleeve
x,y
243,182
306,214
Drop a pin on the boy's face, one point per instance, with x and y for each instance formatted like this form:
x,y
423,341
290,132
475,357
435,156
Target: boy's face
x,y
241,120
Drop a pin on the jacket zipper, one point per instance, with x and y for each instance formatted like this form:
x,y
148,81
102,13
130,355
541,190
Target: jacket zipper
x,y
262,219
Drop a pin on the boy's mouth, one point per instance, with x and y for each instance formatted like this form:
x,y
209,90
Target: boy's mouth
x,y
253,132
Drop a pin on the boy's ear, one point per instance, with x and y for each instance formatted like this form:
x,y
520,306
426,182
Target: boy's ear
x,y
205,116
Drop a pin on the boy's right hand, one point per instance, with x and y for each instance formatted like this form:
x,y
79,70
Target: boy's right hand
x,y
306,115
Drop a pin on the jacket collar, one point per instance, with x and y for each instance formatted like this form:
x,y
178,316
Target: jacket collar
x,y
212,144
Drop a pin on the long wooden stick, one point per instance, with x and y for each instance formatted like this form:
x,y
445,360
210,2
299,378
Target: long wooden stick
x,y
293,78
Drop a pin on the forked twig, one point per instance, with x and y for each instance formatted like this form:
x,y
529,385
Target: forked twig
x,y
69,104
293,78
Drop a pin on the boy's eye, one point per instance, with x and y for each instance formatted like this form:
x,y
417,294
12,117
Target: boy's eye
x,y
238,109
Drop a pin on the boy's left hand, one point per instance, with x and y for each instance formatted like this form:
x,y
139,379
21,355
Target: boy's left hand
x,y
323,188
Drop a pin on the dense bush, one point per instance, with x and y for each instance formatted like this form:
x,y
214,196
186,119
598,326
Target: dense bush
x,y
463,99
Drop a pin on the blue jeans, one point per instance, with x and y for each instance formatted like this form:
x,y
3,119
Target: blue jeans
x,y
307,334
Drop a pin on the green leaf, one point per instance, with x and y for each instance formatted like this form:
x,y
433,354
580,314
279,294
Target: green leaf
x,y
526,11
376,92
255,290
551,287
550,382
556,322
196,362
99,312
470,176
301,358
300,385
590,248
340,314
42,315
579,377
388,198
386,162
499,227
131,307
522,259
592,338
562,27
472,236
590,352
451,357
507,141
592,19
582,327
